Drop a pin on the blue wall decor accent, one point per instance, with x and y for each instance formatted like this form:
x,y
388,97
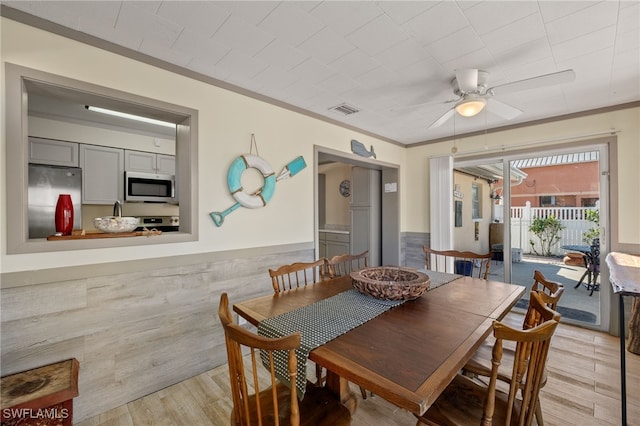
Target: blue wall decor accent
x,y
262,196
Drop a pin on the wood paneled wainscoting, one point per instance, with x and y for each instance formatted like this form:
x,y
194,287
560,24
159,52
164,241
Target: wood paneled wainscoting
x,y
411,253
583,389
135,327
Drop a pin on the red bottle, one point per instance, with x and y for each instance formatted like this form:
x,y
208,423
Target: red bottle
x,y
64,214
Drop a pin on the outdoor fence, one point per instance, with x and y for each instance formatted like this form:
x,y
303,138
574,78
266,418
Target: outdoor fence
x,y
572,218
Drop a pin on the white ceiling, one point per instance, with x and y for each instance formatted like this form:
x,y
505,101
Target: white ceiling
x,y
381,56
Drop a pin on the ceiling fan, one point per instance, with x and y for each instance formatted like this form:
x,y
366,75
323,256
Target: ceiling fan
x,y
473,94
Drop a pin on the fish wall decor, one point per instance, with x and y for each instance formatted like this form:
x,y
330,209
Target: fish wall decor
x,y
359,149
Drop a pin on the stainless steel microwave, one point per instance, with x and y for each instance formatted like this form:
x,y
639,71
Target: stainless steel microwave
x,y
150,187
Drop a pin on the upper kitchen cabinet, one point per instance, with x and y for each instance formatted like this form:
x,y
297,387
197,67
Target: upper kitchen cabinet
x,y
365,212
138,161
102,174
53,152
165,164
365,186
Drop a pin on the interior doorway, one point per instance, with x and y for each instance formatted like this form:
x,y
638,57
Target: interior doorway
x,y
374,216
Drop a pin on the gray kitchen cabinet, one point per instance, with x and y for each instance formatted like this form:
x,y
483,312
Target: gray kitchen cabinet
x,y
362,182
166,164
333,243
365,211
102,174
53,152
139,161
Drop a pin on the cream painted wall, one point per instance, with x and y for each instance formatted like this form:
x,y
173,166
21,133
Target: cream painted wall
x,y
626,122
464,237
337,206
227,121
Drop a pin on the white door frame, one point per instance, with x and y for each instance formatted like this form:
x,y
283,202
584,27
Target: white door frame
x,y
440,209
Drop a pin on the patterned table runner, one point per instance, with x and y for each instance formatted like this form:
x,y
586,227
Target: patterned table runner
x,y
325,320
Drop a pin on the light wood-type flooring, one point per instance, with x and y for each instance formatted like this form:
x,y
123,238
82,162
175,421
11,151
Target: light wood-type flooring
x,y
583,389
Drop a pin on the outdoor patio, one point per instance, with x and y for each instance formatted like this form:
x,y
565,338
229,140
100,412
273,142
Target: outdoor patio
x,y
575,304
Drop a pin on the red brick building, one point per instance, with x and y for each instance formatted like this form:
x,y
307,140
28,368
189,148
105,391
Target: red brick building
x,y
570,180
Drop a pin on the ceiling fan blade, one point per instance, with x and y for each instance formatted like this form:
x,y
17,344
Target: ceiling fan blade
x,y
560,77
440,121
503,110
467,80
423,104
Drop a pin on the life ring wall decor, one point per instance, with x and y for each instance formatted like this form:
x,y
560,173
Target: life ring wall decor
x,y
261,197
234,177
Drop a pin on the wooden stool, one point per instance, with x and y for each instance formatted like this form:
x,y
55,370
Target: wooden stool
x,y
42,396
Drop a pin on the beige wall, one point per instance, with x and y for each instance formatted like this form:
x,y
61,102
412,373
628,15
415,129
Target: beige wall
x,y
464,237
227,121
337,206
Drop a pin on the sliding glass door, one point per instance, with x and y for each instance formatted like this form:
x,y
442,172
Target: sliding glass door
x,y
548,212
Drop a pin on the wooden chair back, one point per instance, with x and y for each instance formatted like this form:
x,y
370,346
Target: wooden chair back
x,y
344,264
276,404
288,277
458,262
532,348
272,402
480,364
521,371
551,288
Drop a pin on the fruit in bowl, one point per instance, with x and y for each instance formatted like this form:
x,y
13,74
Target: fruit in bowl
x,y
116,224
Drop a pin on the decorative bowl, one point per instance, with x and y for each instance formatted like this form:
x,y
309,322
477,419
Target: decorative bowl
x,y
116,224
390,282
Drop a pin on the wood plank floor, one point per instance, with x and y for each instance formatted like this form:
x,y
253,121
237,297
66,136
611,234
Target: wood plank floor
x,y
583,389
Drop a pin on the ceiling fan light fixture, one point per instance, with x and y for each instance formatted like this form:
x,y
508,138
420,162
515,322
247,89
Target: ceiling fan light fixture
x,y
471,105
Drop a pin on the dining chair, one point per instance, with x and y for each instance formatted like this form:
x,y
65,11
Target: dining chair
x,y
468,401
458,262
288,277
272,402
299,274
551,288
480,364
338,266
343,264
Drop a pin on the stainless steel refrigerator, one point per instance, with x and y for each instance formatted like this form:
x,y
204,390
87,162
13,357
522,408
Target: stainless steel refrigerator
x,y
45,184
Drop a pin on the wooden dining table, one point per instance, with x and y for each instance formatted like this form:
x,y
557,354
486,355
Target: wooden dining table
x,y
408,354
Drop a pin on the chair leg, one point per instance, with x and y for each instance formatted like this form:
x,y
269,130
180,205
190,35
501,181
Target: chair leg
x,y
539,419
363,391
319,378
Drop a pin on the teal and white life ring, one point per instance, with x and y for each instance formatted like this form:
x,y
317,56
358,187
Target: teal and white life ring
x,y
261,197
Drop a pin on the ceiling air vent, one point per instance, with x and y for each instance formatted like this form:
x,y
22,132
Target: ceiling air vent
x,y
345,109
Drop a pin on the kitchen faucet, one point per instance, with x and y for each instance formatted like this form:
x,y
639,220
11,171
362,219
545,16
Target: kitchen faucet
x,y
117,209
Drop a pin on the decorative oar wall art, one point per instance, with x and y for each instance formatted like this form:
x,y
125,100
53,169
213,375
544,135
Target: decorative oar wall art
x,y
261,197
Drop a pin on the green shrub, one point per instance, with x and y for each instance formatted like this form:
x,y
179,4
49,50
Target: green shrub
x,y
593,232
547,230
